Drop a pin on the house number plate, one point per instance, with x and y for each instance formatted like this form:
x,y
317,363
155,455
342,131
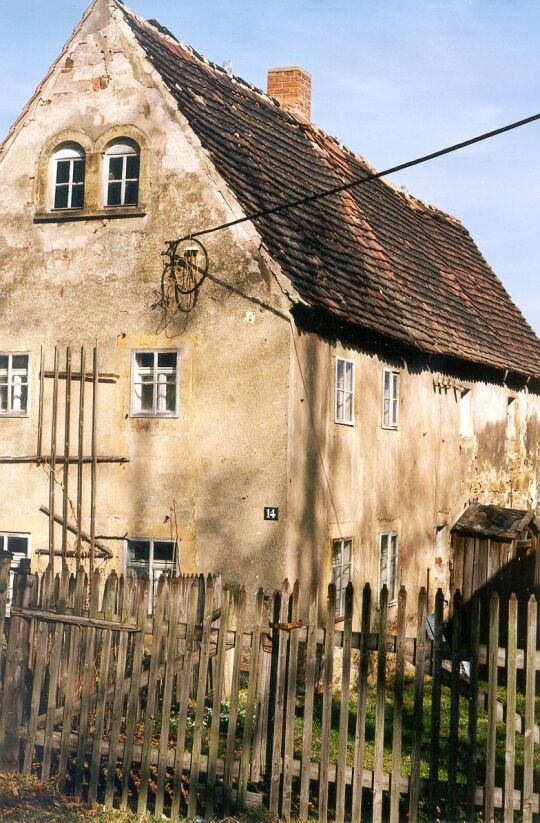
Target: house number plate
x,y
271,513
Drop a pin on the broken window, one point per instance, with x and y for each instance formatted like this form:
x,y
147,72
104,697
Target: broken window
x,y
68,177
388,563
341,570
151,558
390,399
154,388
466,428
511,421
122,165
344,412
14,370
19,546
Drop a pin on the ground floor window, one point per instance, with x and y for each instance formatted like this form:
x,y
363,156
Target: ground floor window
x,y
341,570
388,563
19,546
150,558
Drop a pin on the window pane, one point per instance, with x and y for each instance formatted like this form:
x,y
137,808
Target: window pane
x,y
347,545
387,383
17,544
340,405
394,411
114,195
61,197
132,166
19,396
384,560
78,171
20,361
336,552
3,398
340,378
163,550
138,557
147,397
132,193
145,359
171,397
167,359
347,410
116,166
77,197
62,171
386,412
395,384
349,376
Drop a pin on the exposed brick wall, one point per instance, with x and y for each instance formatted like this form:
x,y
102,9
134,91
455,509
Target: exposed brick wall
x,y
292,87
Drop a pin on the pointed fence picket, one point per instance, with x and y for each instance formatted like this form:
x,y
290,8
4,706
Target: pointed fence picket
x,y
215,701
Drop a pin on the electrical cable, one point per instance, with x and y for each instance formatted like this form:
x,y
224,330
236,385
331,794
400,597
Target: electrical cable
x,y
311,198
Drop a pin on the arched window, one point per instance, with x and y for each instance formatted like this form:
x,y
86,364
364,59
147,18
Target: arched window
x,y
122,163
68,177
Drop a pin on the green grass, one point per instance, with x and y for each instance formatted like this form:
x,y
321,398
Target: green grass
x,y
463,747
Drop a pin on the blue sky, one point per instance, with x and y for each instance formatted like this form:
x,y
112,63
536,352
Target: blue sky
x,y
393,79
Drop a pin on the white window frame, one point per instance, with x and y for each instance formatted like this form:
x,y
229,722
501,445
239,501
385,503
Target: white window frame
x,y
70,153
390,536
10,355
393,399
151,565
124,149
340,594
345,392
134,371
4,536
466,413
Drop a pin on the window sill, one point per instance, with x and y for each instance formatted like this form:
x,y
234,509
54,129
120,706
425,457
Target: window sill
x,y
390,428
70,215
174,416
21,416
349,423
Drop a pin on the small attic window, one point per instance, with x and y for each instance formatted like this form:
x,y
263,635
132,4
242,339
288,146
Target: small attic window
x,y
68,169
121,170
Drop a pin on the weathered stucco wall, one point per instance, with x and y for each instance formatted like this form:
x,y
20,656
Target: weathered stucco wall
x,y
255,425
224,457
358,481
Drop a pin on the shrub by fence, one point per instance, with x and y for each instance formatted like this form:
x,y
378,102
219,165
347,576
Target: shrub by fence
x,y
213,703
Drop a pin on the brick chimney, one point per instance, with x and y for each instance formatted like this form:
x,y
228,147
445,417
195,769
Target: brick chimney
x,y
292,87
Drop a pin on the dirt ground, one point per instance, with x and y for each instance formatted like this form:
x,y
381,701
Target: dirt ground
x,y
25,799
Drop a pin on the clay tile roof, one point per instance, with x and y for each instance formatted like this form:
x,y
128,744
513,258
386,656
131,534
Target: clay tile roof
x,y
372,257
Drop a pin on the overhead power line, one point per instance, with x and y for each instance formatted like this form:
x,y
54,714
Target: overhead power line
x,y
311,198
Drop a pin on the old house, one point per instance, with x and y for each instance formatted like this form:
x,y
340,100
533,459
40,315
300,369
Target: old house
x,y
347,378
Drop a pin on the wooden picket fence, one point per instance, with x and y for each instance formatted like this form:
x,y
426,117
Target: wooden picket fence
x,y
213,703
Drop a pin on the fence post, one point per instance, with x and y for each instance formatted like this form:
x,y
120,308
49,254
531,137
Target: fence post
x,y
491,750
528,748
5,565
418,710
436,706
15,674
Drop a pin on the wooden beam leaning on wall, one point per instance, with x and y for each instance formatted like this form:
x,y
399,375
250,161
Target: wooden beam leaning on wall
x,y
73,529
